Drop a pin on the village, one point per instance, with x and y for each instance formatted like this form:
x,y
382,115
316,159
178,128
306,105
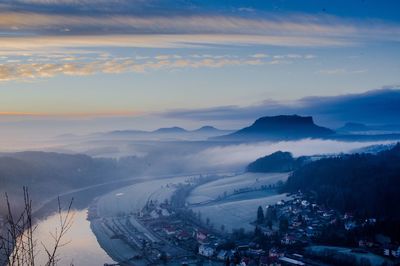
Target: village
x,y
285,233
300,225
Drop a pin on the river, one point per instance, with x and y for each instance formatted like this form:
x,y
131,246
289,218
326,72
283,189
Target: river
x,y
81,246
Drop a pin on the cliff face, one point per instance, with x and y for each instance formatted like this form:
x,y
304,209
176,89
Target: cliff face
x,y
282,127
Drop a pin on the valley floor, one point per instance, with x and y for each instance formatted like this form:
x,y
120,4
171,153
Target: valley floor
x,y
133,224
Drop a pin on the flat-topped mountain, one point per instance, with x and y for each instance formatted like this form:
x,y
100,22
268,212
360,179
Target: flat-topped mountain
x,y
279,128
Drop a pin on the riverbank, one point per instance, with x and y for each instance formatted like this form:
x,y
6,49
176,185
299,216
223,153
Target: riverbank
x,y
114,224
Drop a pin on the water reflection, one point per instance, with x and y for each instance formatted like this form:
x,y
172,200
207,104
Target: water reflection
x,y
82,247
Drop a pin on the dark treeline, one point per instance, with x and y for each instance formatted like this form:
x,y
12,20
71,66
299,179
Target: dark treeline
x,y
367,185
49,174
276,162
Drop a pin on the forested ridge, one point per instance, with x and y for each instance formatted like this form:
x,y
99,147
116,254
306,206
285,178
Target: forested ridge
x,y
367,185
47,174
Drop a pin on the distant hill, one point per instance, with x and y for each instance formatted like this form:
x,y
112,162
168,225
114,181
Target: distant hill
x,y
374,149
169,130
352,127
166,133
41,170
48,174
126,132
207,129
276,162
282,127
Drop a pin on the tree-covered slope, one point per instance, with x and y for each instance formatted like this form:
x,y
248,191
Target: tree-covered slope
x,y
364,184
276,162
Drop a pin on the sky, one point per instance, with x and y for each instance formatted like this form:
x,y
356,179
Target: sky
x,y
118,64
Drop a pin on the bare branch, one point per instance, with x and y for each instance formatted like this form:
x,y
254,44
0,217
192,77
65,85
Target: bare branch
x,y
18,243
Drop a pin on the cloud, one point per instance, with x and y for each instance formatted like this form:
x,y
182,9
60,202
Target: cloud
x,y
341,71
49,29
73,5
16,71
373,107
180,19
322,31
18,114
310,56
29,66
35,44
260,55
28,71
238,156
246,9
54,33
69,2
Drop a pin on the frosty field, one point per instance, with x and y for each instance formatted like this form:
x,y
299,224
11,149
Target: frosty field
x,y
133,198
236,214
226,186
220,202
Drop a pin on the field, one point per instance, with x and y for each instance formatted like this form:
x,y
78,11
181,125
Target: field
x,y
220,202
133,198
227,186
236,214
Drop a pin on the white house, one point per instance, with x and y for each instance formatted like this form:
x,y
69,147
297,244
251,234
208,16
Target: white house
x,y
305,203
206,250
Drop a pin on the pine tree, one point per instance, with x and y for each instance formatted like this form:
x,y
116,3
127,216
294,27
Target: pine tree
x,y
260,215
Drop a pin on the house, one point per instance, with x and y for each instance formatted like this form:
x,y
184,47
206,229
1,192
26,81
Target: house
x,y
397,252
386,251
305,203
169,230
201,236
274,253
365,243
288,240
280,203
391,251
154,214
206,250
165,212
